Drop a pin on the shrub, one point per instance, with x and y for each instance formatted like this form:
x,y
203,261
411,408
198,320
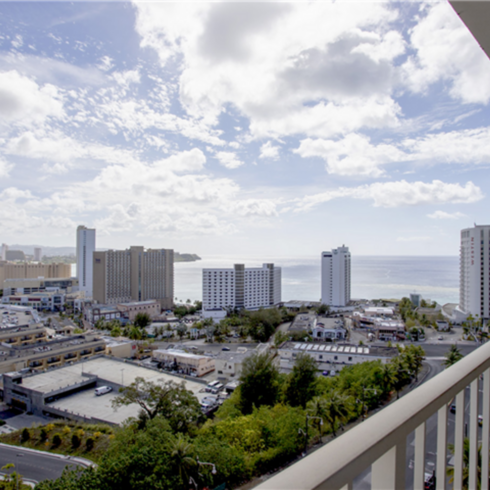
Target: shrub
x,y
26,435
89,444
50,427
75,441
97,434
43,435
80,433
66,430
2,422
56,440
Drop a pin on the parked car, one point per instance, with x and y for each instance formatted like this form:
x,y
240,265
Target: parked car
x,y
452,408
429,481
325,373
440,337
102,390
225,348
480,419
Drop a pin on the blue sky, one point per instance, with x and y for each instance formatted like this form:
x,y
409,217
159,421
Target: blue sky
x,y
243,128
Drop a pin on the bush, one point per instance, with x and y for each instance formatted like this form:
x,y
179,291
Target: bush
x,y
89,444
56,440
43,435
26,435
75,441
2,422
66,430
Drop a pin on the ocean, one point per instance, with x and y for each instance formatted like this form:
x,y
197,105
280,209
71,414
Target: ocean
x,y
435,278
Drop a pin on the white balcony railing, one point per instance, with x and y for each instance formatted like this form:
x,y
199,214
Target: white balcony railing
x,y
380,441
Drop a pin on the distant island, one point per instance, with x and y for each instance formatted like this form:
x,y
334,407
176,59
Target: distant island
x,y
185,257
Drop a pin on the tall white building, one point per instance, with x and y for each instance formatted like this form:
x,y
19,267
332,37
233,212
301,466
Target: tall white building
x,y
5,248
336,277
85,259
38,254
240,287
474,281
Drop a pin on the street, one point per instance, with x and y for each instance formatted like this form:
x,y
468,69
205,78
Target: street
x,y
35,465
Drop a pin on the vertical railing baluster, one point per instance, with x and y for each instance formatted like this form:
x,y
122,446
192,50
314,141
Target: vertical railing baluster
x,y
473,435
347,487
388,472
485,431
441,448
419,459
459,441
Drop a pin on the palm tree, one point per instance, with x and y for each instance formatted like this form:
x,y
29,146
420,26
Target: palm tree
x,y
181,453
466,470
453,355
387,377
318,407
338,409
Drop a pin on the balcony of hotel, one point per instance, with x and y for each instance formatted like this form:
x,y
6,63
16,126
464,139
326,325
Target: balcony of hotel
x,y
379,449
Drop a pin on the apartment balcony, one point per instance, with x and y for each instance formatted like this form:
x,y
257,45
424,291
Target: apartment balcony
x,y
379,444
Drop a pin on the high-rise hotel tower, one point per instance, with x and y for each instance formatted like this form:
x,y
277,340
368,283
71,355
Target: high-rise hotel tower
x,y
474,279
336,277
85,259
135,274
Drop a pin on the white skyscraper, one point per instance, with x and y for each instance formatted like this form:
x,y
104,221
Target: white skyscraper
x,y
85,259
336,277
474,281
38,254
240,287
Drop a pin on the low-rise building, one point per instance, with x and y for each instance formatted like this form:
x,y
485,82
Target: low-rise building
x,y
39,285
94,313
130,310
191,364
68,392
333,356
49,301
47,353
230,363
304,322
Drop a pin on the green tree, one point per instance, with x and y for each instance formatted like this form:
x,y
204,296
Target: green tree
x,y
301,384
170,400
388,377
259,382
453,355
318,407
466,461
338,410
142,320
182,454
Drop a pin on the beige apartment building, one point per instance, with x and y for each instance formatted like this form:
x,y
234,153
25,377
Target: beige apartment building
x,y
134,274
31,270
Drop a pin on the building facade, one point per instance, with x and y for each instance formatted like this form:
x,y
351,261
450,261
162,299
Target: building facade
x,y
336,283
85,261
135,274
241,288
474,279
26,270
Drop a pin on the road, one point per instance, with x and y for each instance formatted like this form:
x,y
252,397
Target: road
x,y
35,465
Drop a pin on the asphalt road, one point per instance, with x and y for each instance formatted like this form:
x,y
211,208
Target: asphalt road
x,y
35,465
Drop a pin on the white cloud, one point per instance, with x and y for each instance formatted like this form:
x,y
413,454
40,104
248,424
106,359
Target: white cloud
x,y
306,81
23,101
255,207
353,155
56,168
446,50
268,150
228,159
400,193
17,42
445,215
185,161
5,167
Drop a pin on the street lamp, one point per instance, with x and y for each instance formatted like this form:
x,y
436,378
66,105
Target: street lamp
x,y
200,463
305,432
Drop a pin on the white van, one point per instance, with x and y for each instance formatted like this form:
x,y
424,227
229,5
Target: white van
x,y
102,390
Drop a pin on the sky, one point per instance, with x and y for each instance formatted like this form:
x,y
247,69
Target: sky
x,y
281,129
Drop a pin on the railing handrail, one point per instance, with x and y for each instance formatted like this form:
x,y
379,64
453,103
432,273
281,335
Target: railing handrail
x,y
334,465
